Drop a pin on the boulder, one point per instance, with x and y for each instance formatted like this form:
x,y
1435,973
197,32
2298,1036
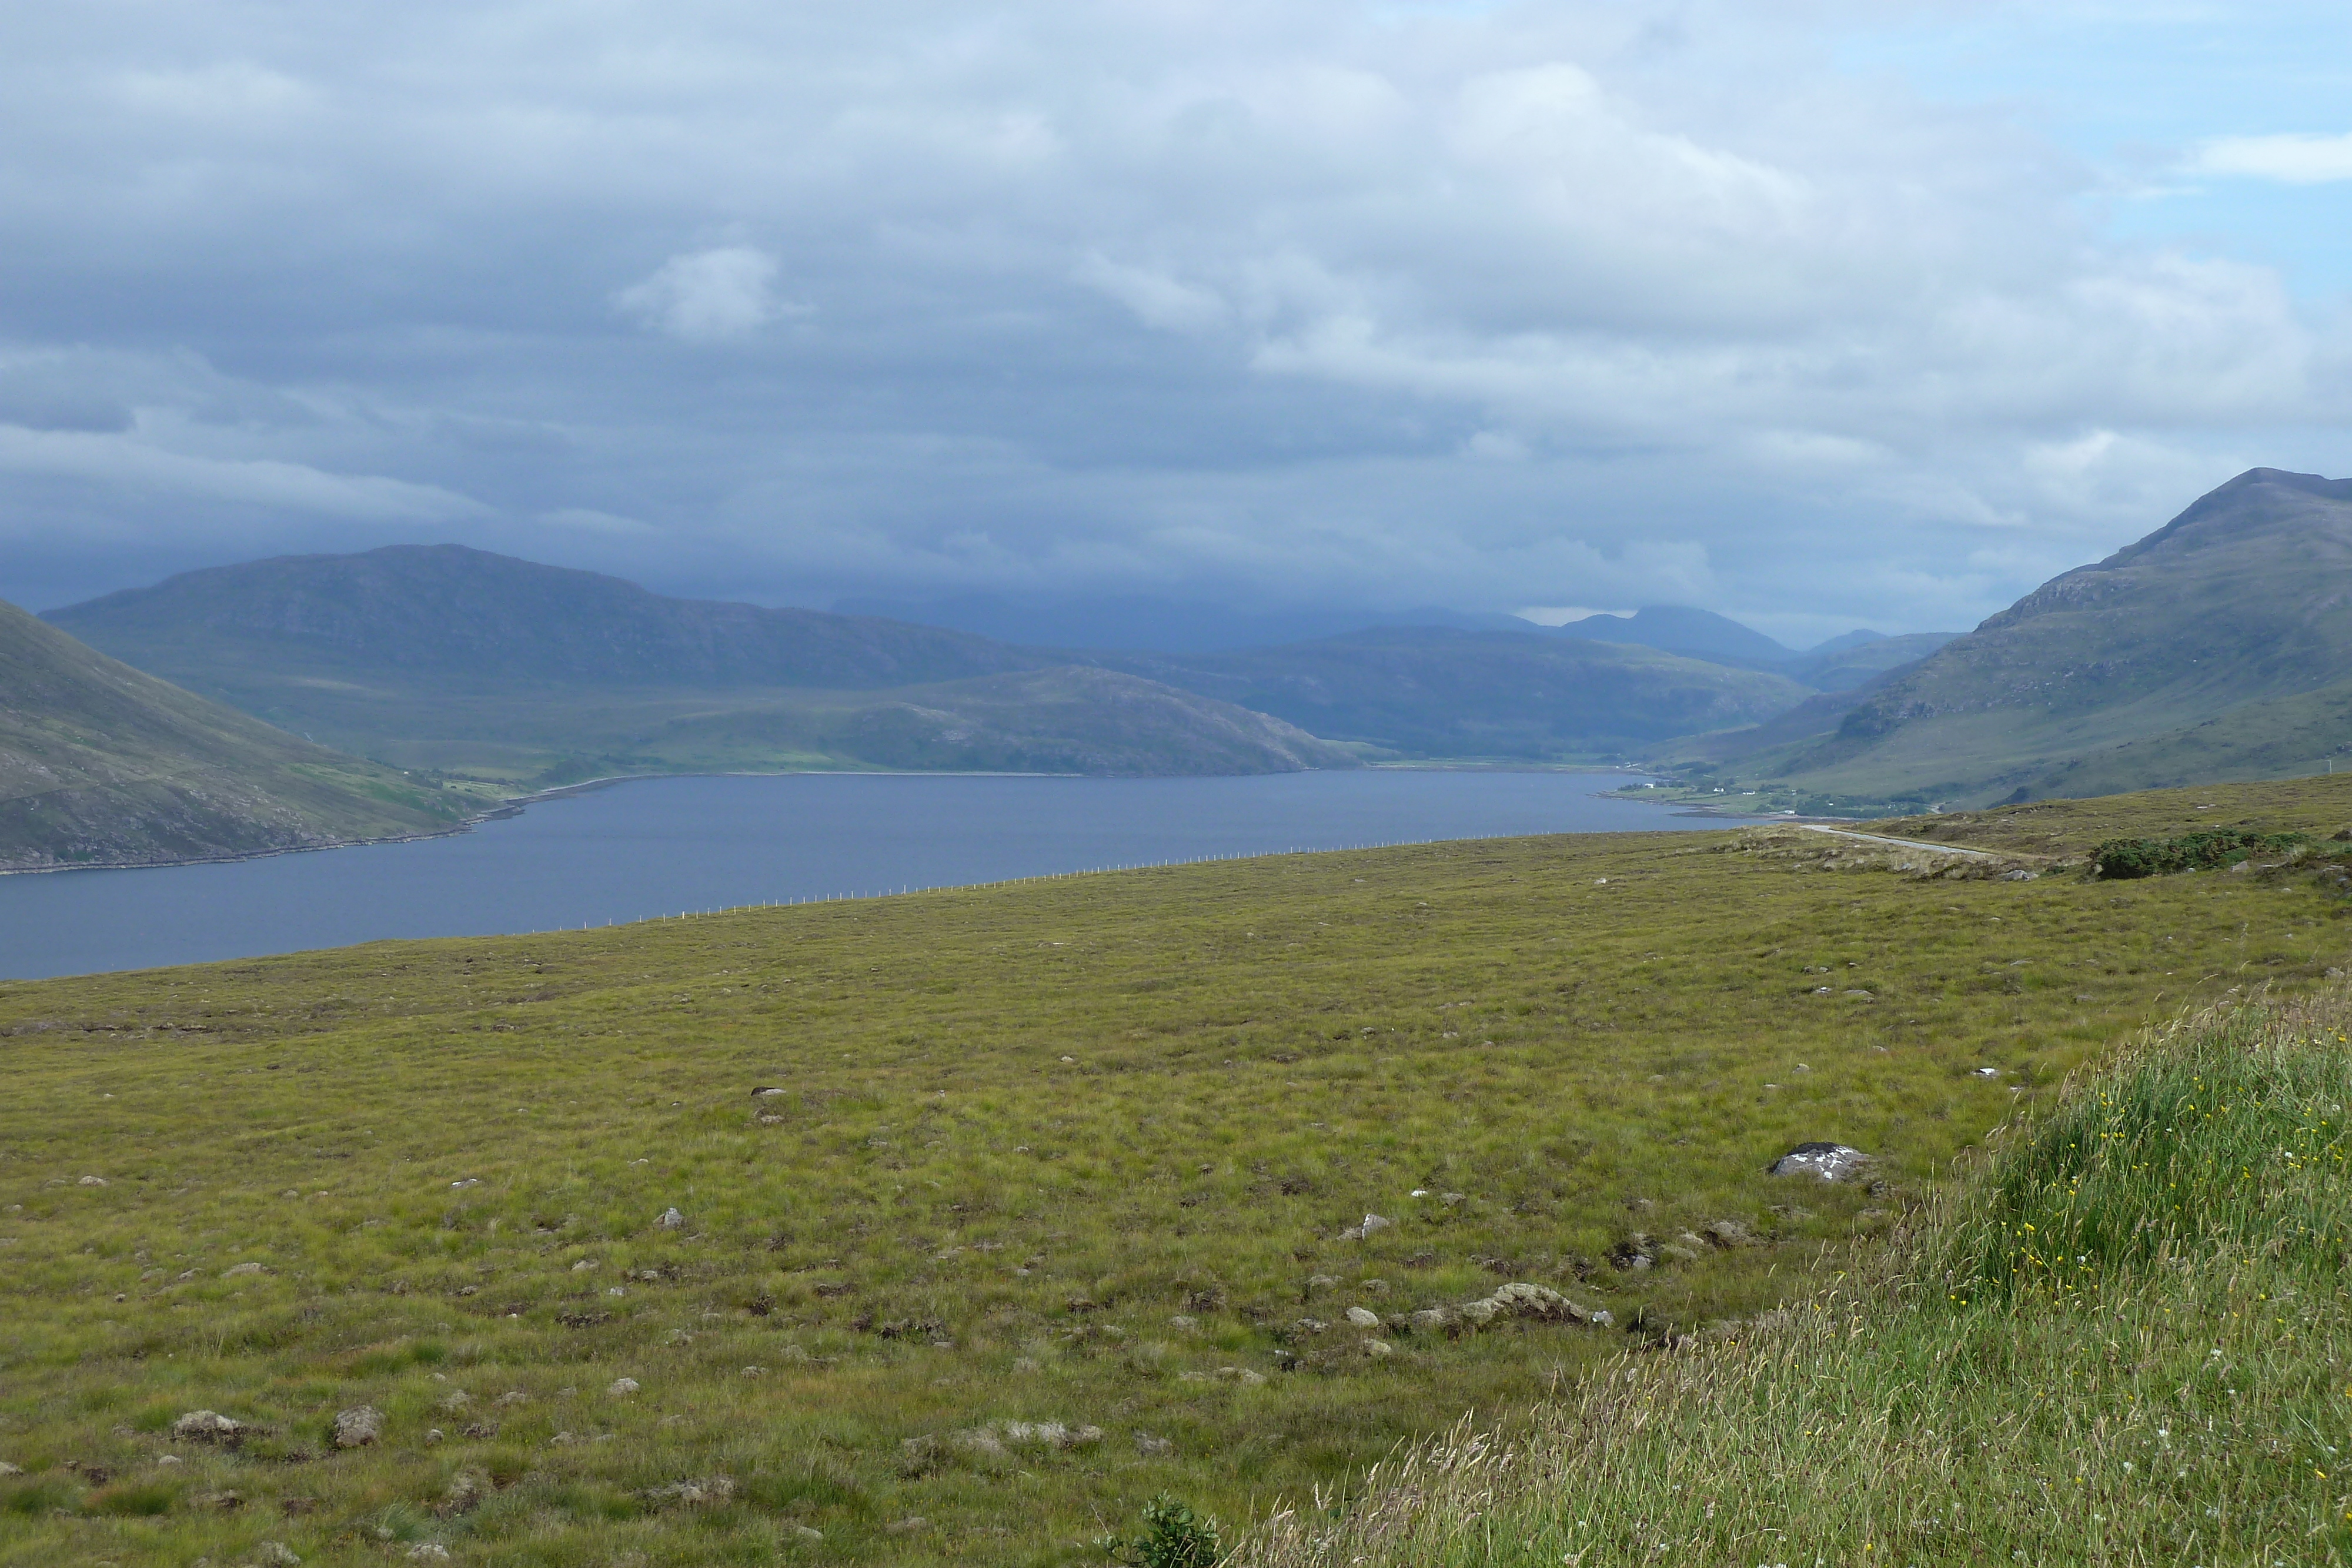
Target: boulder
x,y
276,1555
622,1387
358,1426
1363,1319
1727,1233
1824,1162
208,1427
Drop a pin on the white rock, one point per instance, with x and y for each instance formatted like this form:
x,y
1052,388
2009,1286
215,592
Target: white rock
x,y
358,1426
1828,1162
622,1386
91,1181
1363,1319
276,1555
241,1269
427,1552
671,1219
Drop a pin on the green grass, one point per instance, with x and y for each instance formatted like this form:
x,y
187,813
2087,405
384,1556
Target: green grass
x,y
1024,1130
2126,1342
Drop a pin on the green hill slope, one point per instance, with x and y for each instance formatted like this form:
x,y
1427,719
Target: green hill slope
x,y
101,765
1434,691
1058,1202
453,659
2245,598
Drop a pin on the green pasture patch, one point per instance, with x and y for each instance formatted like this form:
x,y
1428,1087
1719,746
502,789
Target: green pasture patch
x,y
1058,1204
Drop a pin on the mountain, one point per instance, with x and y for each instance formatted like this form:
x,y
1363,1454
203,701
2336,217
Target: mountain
x,y
1434,692
453,614
444,658
2217,647
101,765
1841,665
1134,624
1696,633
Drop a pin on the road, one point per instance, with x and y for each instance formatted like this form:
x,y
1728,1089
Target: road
x,y
1900,843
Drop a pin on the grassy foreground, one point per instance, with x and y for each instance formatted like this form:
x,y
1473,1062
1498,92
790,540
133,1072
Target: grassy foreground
x,y
2129,1341
1053,1211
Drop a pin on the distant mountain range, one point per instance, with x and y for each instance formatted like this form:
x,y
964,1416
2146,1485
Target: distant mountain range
x,y
2218,647
444,658
102,765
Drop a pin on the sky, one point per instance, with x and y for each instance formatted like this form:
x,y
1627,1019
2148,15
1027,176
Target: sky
x,y
1814,314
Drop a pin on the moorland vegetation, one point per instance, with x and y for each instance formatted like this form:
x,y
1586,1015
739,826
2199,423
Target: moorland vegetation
x,y
956,1227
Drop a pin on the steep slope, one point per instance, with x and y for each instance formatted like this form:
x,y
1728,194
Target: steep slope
x,y
2208,631
1438,693
1843,666
100,765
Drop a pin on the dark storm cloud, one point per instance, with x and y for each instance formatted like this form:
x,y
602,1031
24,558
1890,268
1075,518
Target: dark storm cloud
x,y
1579,304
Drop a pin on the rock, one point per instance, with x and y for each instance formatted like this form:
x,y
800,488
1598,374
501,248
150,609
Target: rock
x,y
358,1426
1679,1254
766,1093
622,1387
1363,1319
755,1372
240,1269
1152,1447
513,1396
1432,1320
808,1532
1985,1072
1241,1375
1825,1162
671,1219
708,1491
218,1502
428,1552
2024,875
160,1459
1320,1281
8,1469
435,1435
1183,1323
91,1181
1727,1233
1372,1222
208,1427
1377,1348
277,1554
467,1489
457,1399
914,1523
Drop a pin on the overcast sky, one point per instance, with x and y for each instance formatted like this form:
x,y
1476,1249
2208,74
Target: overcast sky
x,y
1814,314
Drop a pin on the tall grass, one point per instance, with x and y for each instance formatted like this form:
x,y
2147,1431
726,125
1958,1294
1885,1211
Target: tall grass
x,y
2126,1342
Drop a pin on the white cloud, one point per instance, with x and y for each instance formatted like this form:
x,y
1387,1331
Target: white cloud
x,y
2293,159
126,463
707,295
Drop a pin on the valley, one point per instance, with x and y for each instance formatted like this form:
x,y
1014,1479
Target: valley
x,y
1060,1198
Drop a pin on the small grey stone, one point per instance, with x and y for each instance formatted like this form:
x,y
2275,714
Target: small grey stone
x,y
1825,1162
207,1427
276,1555
671,1219
1363,1319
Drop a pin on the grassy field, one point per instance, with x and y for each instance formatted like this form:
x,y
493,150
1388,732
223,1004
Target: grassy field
x,y
2128,1340
1053,1211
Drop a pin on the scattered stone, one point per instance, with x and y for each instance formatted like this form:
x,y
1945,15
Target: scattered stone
x,y
1184,1322
671,1219
1372,1222
1363,1319
91,1181
276,1554
1376,1348
755,1372
1152,1447
1679,1254
807,1532
469,1181
513,1396
428,1552
622,1386
480,1431
467,1489
914,1523
434,1435
1727,1233
1826,1162
358,1426
208,1427
457,1399
708,1491
240,1269
1320,1281
160,1459
218,1502
562,1440
1241,1375
8,1469
2022,874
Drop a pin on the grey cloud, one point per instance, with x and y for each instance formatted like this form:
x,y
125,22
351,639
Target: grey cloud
x,y
1576,304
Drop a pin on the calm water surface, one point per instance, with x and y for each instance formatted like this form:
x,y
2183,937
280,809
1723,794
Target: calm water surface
x,y
663,846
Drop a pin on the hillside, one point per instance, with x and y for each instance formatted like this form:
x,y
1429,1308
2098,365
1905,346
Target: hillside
x,y
999,1211
456,660
100,765
466,618
2153,665
1436,692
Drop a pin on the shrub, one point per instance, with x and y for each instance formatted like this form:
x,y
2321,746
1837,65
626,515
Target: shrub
x,y
2122,859
1173,1536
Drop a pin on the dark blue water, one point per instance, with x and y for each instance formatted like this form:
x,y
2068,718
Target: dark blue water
x,y
663,846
